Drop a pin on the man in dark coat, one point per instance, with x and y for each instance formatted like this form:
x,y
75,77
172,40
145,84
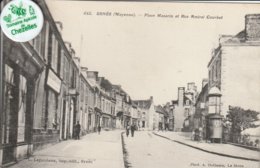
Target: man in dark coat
x,y
132,130
127,130
99,129
77,130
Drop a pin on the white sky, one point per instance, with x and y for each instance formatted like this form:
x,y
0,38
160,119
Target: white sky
x,y
147,56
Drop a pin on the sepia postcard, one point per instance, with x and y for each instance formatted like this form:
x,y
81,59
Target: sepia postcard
x,y
128,84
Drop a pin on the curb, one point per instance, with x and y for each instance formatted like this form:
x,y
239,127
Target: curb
x,y
216,153
125,153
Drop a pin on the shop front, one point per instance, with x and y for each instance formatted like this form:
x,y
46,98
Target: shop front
x,y
98,114
21,67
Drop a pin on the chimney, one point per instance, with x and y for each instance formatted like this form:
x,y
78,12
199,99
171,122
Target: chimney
x,y
252,27
92,75
191,86
181,91
151,97
222,39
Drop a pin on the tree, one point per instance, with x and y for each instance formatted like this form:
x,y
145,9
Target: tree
x,y
241,119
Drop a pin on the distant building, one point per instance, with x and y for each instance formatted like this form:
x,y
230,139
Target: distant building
x,y
184,107
160,118
92,77
119,94
201,108
108,103
147,113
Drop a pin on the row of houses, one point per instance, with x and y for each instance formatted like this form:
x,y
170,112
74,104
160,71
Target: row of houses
x,y
233,80
45,91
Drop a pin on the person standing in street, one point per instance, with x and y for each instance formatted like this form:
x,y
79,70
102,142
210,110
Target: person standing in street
x,y
132,130
127,129
99,129
77,130
193,135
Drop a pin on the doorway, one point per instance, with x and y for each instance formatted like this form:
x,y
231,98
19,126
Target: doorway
x,y
16,100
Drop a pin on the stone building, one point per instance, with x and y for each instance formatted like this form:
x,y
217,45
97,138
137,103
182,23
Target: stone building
x,y
119,94
234,67
108,103
201,108
147,110
39,94
159,118
92,77
184,107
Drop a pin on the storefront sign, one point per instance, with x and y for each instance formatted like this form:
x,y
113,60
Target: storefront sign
x,y
21,20
53,81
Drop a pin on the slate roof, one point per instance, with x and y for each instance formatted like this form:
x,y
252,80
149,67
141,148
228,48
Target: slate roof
x,y
143,104
160,109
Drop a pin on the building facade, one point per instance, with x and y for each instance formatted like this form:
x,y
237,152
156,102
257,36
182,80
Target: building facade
x,y
228,72
36,95
147,110
184,107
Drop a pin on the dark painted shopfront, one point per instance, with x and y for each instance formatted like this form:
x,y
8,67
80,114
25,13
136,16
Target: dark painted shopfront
x,y
21,66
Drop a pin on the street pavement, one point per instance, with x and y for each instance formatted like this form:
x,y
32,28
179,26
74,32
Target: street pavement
x,y
146,150
91,151
221,149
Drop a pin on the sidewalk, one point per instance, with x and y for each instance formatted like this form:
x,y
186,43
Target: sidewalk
x,y
214,148
91,151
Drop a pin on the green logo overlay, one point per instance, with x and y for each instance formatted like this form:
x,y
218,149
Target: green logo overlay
x,y
20,16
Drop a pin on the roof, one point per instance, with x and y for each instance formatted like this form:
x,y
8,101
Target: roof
x,y
174,102
143,104
203,92
119,89
159,109
106,84
214,91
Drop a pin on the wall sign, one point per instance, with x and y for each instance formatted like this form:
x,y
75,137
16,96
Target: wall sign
x,y
53,81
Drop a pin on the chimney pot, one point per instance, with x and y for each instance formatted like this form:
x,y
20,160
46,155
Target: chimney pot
x,y
252,27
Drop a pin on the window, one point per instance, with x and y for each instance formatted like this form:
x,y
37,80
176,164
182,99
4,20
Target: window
x,y
46,43
187,102
62,60
216,70
187,112
36,43
59,59
81,91
86,95
212,73
50,41
52,112
54,54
